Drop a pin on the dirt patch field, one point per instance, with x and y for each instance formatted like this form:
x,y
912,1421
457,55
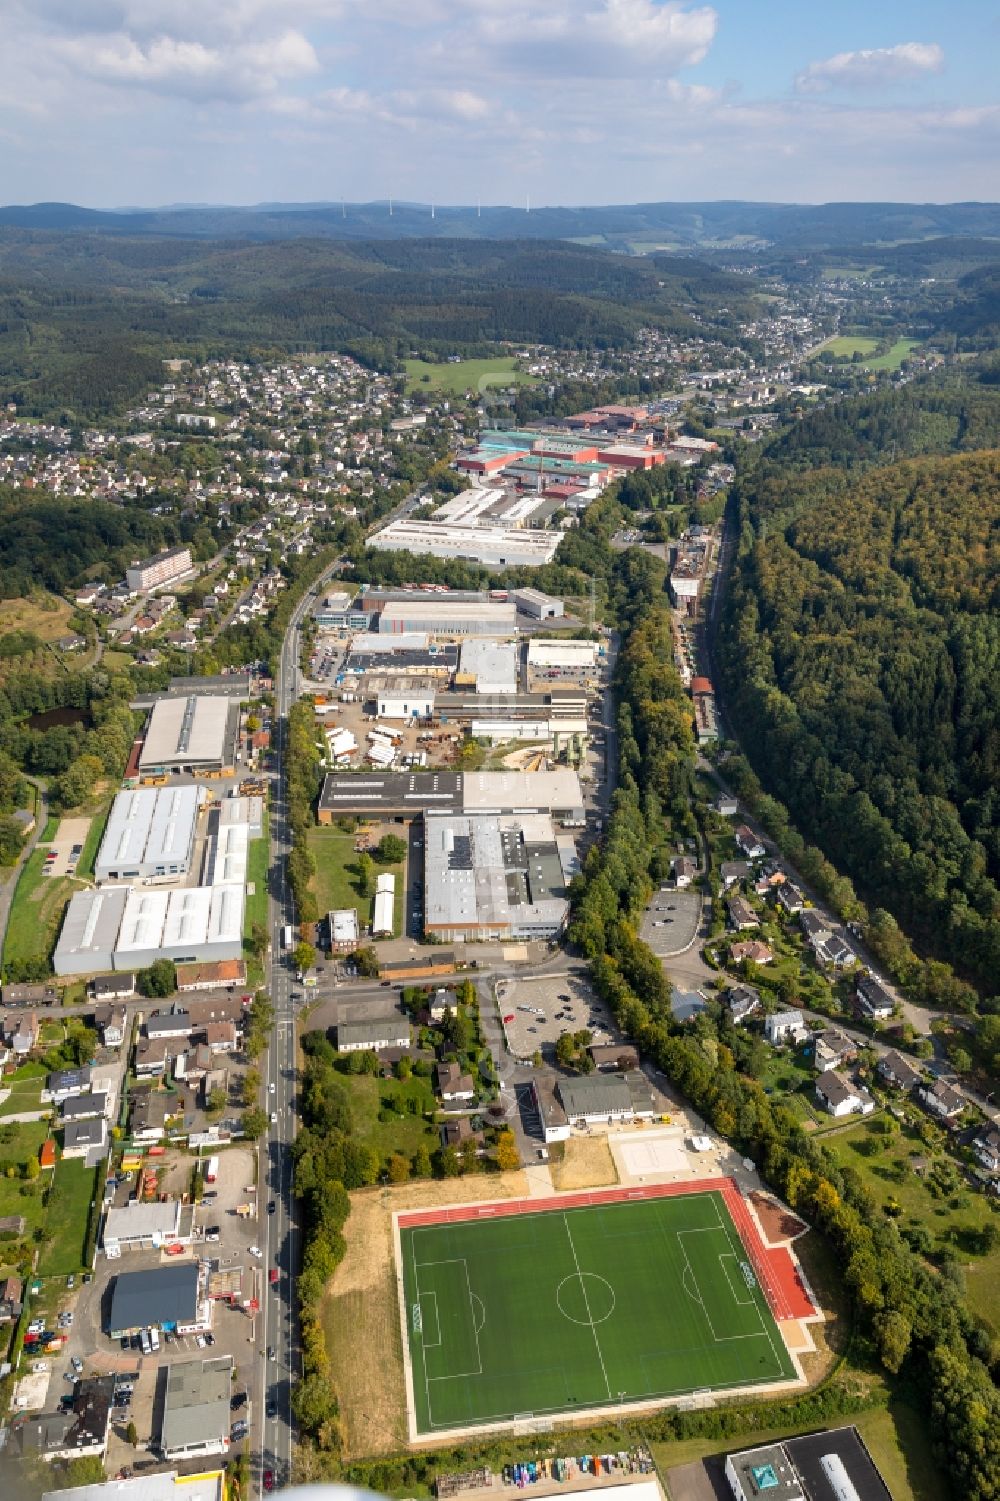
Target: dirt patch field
x,y
46,616
361,1311
586,1163
777,1223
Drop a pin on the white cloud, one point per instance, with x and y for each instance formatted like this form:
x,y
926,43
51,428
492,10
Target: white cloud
x,y
872,68
173,65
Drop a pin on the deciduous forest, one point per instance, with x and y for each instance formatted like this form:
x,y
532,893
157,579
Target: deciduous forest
x,y
861,653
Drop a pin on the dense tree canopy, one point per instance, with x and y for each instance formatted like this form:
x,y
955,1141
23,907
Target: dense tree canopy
x,y
861,652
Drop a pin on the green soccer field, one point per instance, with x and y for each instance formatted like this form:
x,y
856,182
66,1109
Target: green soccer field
x,y
563,1310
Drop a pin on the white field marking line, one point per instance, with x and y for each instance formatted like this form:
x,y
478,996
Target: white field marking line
x,y
429,1344
762,1274
720,1339
760,1317
423,1359
586,1301
724,1258
456,1261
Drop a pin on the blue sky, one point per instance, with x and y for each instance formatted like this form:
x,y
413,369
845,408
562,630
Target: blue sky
x,y
112,102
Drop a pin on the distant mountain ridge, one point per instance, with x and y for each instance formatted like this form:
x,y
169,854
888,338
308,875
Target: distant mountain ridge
x,y
640,227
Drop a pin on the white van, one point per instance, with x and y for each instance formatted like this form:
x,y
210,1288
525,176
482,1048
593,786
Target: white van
x,y
154,1339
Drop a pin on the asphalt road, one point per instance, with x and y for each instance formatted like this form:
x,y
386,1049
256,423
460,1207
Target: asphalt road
x,y
279,1353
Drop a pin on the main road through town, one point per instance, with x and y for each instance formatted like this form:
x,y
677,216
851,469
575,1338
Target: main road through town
x,y
278,1354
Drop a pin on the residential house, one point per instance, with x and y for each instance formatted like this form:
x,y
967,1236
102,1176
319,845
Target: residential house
x,y
220,1037
751,951
439,1004
452,1084
84,1107
898,1071
789,898
616,1057
66,1082
732,872
832,1049
840,1097
74,1432
828,947
785,1026
374,1035
112,1025
154,1055
455,1133
29,995
173,1023
741,914
748,842
87,1138
940,1100
20,1033
147,1115
986,1147
742,1001
113,987
683,869
727,805
221,974
872,1000
11,1293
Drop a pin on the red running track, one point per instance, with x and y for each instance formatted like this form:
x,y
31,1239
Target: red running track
x,y
774,1267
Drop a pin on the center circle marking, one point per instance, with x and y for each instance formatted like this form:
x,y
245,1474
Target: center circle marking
x,y
585,1298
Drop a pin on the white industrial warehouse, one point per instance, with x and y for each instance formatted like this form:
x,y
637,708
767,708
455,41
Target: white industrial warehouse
x,y
195,733
493,877
149,835
494,546
440,616
128,927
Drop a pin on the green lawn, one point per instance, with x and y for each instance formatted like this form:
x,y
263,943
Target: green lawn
x,y
23,1097
561,1311
894,357
257,867
258,861
66,1222
403,1132
17,1196
943,1214
336,880
39,902
92,843
36,911
466,375
848,345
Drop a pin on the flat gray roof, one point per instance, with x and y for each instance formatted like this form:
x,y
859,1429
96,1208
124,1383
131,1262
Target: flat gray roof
x,y
142,1221
404,793
196,1403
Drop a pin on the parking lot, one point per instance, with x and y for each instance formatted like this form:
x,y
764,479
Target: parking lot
x,y
670,923
232,1331
541,1009
65,849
